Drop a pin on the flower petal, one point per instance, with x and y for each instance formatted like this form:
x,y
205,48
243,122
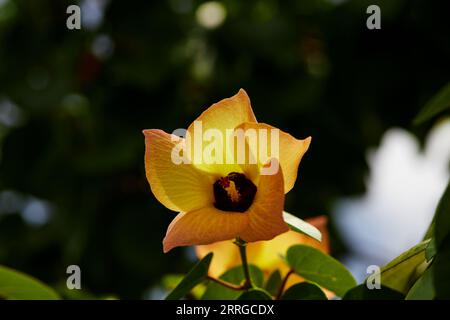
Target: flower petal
x,y
224,115
227,113
266,213
204,226
179,187
290,151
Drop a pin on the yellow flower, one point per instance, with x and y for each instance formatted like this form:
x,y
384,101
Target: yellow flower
x,y
267,255
221,200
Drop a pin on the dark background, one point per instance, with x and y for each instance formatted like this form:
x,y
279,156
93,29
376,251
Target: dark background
x,y
309,67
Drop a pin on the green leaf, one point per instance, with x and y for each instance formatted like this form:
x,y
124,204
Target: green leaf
x,y
430,250
439,247
197,274
401,273
304,291
442,216
298,225
84,294
361,292
274,282
437,104
423,289
170,281
255,294
215,291
16,285
430,231
441,270
320,268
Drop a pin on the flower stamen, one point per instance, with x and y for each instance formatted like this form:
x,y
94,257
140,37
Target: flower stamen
x,y
234,192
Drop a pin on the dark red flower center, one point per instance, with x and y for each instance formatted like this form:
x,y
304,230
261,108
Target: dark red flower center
x,y
234,192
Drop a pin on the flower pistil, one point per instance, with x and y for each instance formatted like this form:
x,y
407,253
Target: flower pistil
x,y
234,192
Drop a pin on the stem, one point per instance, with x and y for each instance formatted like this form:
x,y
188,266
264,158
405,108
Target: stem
x,y
226,284
283,284
242,250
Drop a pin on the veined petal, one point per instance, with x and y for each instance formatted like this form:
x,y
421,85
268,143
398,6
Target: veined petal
x,y
266,213
290,150
222,117
179,187
204,226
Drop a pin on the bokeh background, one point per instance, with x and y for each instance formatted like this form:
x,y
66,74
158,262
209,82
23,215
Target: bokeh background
x,y
73,104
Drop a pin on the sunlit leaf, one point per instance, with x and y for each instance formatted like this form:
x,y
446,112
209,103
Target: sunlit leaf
x,y
361,292
437,104
320,268
170,281
197,274
255,294
401,273
298,225
16,285
304,291
215,291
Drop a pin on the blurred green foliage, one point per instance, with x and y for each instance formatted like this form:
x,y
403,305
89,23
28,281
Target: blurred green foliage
x,y
73,105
